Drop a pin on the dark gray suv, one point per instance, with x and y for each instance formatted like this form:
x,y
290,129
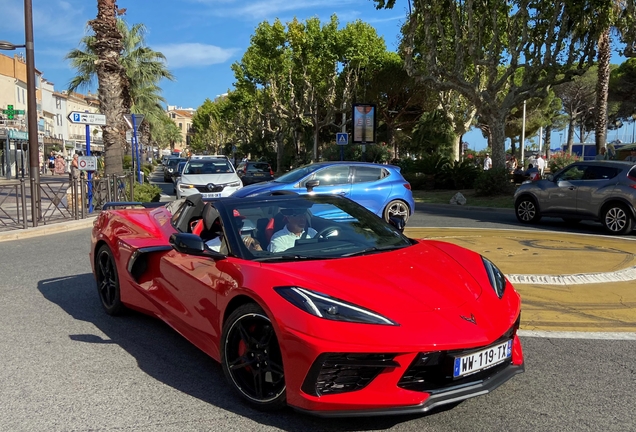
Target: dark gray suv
x,y
604,191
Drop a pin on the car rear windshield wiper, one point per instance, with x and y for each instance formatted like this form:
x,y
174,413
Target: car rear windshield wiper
x,y
374,249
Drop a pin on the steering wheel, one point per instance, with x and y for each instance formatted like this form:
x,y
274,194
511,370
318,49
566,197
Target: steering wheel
x,y
325,232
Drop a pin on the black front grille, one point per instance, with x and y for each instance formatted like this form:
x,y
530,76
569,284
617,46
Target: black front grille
x,y
341,372
205,189
434,370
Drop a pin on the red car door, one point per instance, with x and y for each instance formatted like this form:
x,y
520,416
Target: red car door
x,y
190,286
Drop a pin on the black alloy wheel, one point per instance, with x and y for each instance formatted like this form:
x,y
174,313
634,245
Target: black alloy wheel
x,y
108,281
526,210
396,208
251,358
617,219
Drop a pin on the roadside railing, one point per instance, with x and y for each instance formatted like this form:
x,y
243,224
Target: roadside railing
x,y
60,199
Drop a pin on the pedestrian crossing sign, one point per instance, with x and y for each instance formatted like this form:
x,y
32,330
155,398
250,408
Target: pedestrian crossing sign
x,y
342,138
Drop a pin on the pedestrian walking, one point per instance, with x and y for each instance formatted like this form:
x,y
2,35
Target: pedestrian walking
x,y
487,162
540,164
60,165
52,162
75,171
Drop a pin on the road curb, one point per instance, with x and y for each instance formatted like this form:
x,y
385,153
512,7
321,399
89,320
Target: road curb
x,y
424,206
47,229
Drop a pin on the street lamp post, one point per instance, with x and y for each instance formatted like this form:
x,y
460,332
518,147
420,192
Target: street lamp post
x,y
32,110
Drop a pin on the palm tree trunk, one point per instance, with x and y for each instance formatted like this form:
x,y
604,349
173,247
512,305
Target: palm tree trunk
x,y
113,91
602,88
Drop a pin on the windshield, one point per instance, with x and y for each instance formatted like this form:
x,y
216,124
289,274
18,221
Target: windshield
x,y
297,174
211,166
174,162
309,228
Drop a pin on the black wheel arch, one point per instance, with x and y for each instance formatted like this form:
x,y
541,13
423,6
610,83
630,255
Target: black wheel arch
x,y
528,195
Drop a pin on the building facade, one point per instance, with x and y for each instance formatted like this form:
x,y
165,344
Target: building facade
x,y
182,117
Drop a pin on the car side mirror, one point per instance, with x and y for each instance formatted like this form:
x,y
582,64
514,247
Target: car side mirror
x,y
397,222
311,184
550,177
192,244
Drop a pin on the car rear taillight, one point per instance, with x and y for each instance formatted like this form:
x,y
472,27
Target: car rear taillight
x,y
271,172
633,185
407,185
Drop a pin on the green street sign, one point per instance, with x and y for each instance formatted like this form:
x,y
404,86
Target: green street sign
x,y
11,113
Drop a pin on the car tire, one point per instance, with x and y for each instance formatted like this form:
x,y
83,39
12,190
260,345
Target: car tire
x,y
527,211
107,280
396,208
617,219
250,354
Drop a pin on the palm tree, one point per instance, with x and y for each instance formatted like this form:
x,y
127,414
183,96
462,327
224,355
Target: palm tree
x,y
113,83
619,16
143,67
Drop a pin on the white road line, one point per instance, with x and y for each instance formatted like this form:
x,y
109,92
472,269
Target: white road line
x,y
625,275
578,335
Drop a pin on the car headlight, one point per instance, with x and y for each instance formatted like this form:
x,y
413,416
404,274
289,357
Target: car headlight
x,y
185,186
234,184
496,277
327,307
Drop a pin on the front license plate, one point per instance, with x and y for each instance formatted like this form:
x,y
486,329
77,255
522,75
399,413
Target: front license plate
x,y
211,195
483,359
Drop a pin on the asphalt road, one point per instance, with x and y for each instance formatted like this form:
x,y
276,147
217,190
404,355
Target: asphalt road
x,y
66,365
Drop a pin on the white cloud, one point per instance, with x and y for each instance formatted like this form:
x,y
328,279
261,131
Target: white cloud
x,y
262,9
194,54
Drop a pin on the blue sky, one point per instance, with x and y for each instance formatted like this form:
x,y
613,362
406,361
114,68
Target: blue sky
x,y
200,38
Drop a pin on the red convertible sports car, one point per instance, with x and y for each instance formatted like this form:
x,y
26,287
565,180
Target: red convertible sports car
x,y
313,301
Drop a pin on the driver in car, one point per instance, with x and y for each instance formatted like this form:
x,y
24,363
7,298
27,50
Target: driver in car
x,y
293,230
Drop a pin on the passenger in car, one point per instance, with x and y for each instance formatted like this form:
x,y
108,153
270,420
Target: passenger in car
x,y
293,230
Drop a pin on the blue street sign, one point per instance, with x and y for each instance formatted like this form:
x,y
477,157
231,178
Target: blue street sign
x,y
342,138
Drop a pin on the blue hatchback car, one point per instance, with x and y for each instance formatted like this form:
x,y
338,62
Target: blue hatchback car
x,y
379,188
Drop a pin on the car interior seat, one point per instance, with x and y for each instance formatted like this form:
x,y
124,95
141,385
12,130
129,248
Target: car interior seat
x,y
212,226
189,212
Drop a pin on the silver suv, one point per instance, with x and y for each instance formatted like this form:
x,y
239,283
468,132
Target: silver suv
x,y
604,191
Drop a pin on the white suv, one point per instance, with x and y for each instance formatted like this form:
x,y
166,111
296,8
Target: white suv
x,y
211,177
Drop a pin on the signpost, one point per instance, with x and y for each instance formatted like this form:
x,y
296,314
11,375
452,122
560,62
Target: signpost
x,y
133,121
87,163
88,119
342,139
11,113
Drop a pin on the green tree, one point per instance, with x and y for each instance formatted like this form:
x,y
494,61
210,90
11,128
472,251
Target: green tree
x,y
476,47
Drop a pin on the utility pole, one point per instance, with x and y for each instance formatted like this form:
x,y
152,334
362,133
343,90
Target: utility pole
x,y
32,115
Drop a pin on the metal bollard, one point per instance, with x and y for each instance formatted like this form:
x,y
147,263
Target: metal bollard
x,y
83,193
23,195
74,199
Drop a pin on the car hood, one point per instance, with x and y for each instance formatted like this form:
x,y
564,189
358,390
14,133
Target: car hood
x,y
204,179
414,279
258,188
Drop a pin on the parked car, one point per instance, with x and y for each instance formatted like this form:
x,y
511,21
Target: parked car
x,y
171,167
177,173
254,172
379,188
603,191
211,177
355,320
